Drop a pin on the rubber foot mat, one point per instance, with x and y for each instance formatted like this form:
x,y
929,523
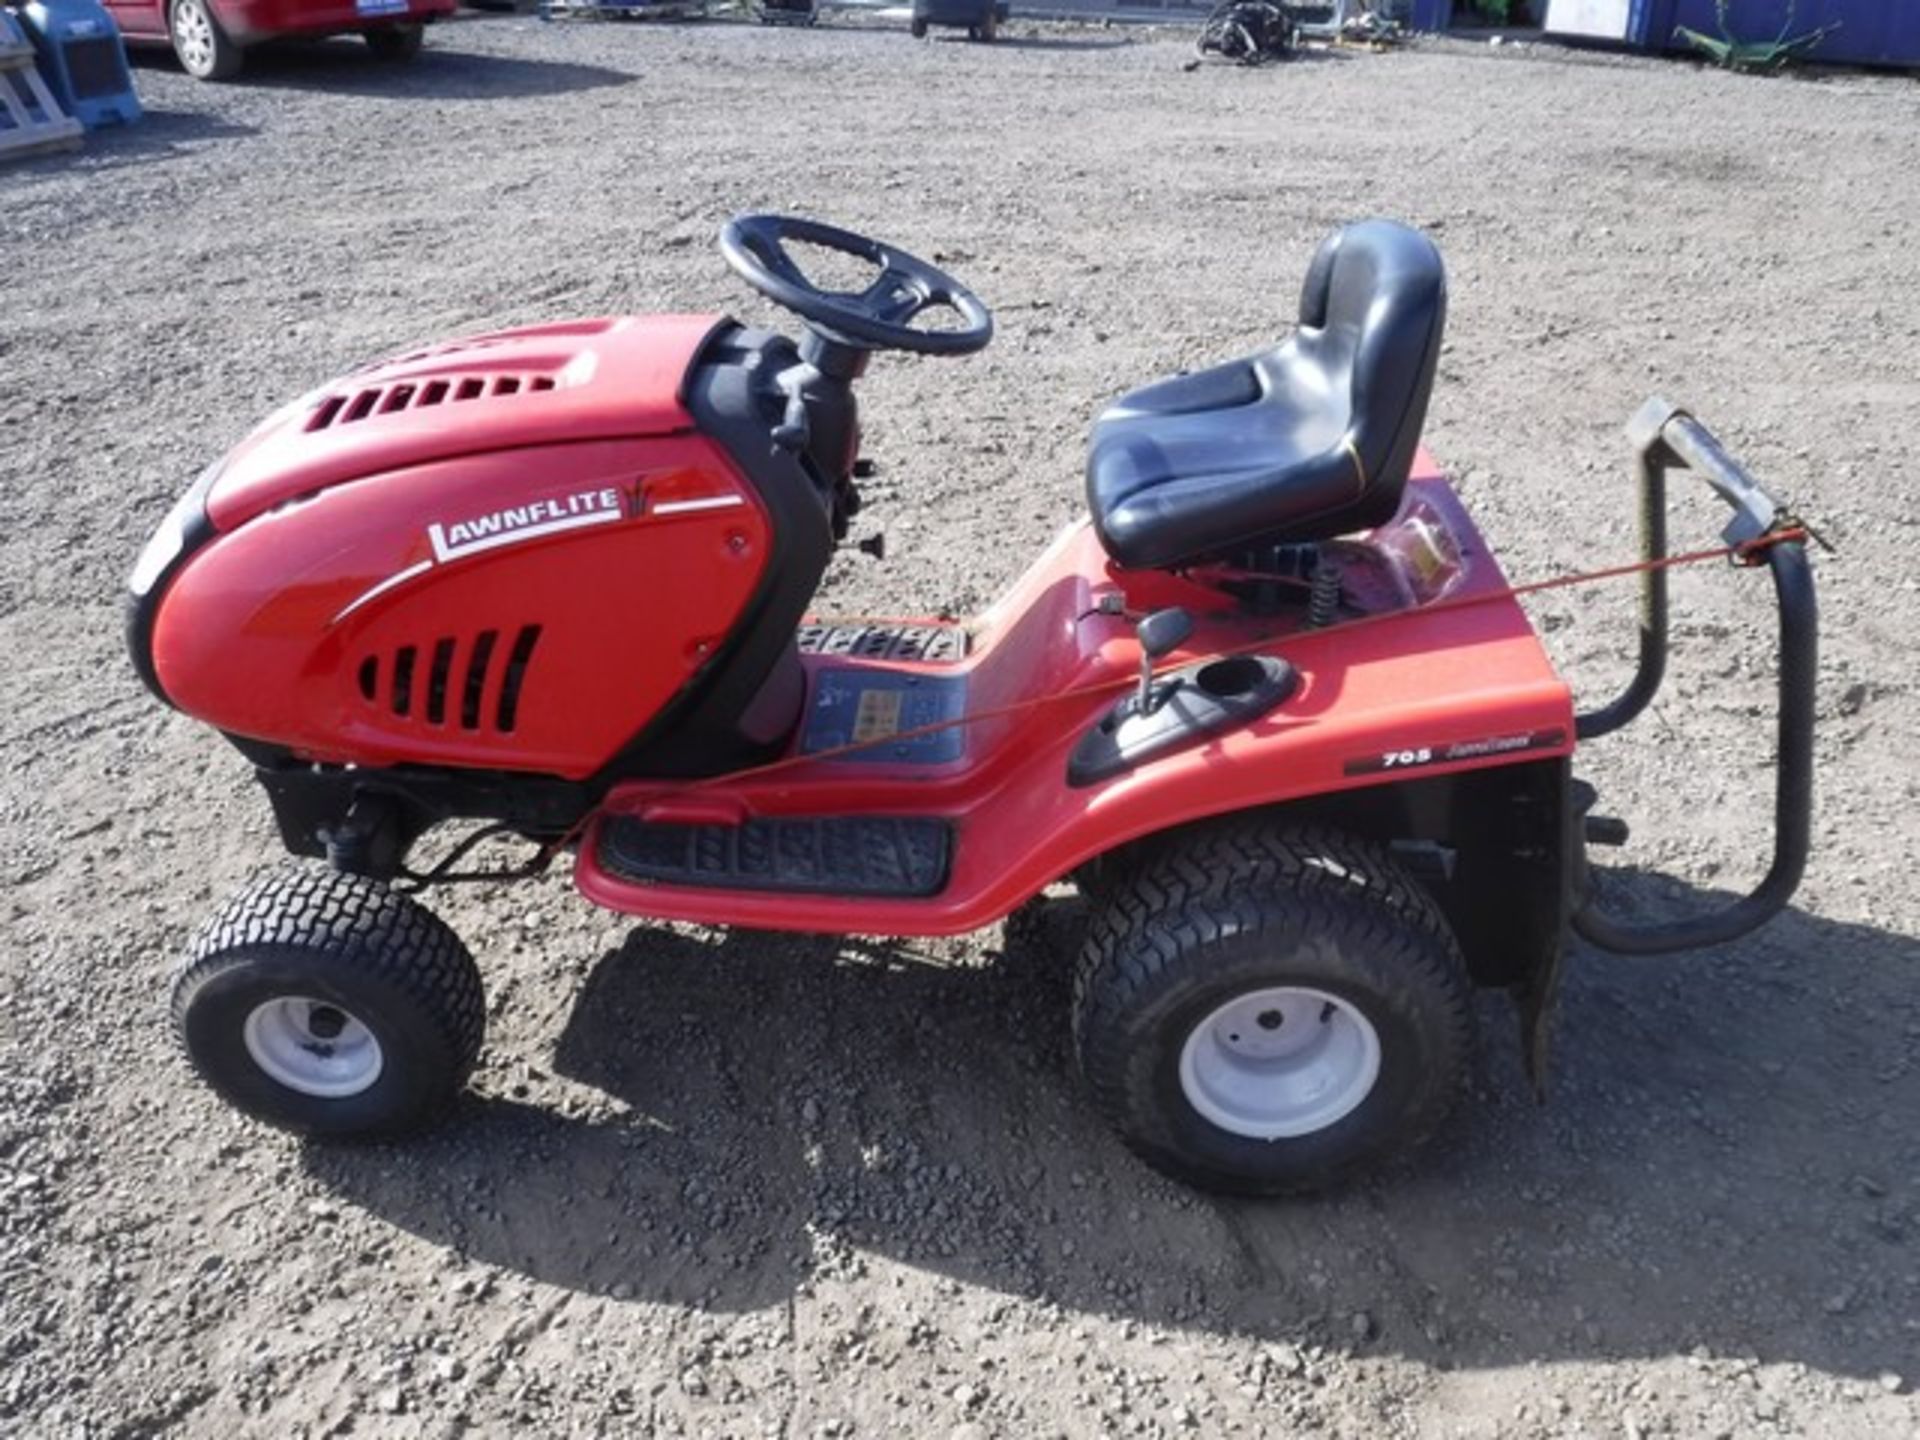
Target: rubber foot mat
x,y
928,644
886,855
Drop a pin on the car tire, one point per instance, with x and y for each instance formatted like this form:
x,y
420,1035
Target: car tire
x,y
1264,1011
917,28
205,51
396,44
327,1004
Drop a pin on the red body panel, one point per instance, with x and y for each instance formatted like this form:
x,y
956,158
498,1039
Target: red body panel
x,y
474,583
583,380
1397,690
251,21
512,552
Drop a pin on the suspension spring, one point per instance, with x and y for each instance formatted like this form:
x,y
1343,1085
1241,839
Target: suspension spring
x,y
1323,602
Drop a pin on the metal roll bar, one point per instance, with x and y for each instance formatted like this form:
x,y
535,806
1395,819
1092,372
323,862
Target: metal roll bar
x,y
1665,436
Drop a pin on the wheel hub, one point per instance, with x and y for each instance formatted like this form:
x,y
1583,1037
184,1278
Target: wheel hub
x,y
313,1046
193,30
1280,1062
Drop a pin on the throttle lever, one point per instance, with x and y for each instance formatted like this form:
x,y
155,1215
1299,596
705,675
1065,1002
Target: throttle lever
x,y
1160,634
793,432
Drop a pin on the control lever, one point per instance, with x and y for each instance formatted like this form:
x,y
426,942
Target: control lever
x,y
793,433
1161,633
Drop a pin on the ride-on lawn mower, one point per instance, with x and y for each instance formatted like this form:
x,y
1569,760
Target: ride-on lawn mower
x,y
1272,707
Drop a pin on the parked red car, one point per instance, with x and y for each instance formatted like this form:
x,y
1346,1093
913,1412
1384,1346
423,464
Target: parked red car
x,y
211,37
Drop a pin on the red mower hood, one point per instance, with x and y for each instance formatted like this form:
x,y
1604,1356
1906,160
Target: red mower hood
x,y
580,380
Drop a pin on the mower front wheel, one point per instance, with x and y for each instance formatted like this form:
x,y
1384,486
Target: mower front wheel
x,y
1264,1011
326,1004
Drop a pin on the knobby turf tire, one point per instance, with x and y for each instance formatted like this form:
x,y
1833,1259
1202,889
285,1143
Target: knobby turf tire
x,y
1202,915
384,958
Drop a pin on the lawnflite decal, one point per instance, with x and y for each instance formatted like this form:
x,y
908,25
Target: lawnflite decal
x,y
524,522
1413,757
452,540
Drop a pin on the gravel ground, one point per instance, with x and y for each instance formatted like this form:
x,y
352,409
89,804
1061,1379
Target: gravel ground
x,y
745,1184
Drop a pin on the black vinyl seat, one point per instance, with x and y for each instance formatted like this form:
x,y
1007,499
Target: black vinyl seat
x,y
1311,439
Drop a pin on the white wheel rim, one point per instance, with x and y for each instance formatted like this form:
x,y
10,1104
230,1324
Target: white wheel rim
x,y
313,1046
193,34
1280,1062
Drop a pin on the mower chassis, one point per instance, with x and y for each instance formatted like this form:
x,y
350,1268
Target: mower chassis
x,y
1420,697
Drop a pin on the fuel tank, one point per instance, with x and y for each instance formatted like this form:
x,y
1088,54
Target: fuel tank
x,y
507,553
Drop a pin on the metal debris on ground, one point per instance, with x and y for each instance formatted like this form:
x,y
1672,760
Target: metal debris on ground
x,y
1736,54
786,12
1251,32
1369,23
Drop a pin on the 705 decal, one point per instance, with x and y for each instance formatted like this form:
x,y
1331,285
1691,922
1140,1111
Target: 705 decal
x,y
1412,757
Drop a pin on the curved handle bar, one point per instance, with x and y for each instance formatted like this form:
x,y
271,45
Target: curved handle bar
x,y
1665,435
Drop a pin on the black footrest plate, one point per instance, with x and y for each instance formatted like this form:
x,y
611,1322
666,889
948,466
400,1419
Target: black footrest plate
x,y
882,855
927,644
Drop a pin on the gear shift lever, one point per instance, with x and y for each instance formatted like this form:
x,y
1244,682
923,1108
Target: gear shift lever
x,y
1160,633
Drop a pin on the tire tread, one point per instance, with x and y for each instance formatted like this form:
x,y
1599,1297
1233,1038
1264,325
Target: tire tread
x,y
1197,887
358,920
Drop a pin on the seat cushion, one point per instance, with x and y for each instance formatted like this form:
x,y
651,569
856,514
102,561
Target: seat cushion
x,y
1311,439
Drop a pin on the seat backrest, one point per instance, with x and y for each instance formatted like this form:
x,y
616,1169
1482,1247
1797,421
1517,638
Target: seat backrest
x,y
1373,308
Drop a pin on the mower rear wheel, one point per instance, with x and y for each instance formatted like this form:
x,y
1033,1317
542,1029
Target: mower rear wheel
x,y
1264,1010
326,1004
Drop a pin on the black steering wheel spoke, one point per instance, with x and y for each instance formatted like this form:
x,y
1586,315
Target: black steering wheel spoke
x,y
784,265
897,296
878,317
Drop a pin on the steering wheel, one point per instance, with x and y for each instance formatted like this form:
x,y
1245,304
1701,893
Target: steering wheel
x,y
877,318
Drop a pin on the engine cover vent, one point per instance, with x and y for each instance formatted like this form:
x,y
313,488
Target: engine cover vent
x,y
477,686
354,406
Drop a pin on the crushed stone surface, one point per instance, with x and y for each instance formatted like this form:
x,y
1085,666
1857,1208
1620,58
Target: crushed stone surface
x,y
743,1184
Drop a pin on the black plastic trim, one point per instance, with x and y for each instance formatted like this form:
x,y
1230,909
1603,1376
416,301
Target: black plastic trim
x,y
185,529
1187,709
904,856
731,394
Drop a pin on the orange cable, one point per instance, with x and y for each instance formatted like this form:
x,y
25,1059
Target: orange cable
x,y
1744,551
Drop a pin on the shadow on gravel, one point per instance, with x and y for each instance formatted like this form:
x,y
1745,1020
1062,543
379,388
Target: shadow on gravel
x,y
345,66
1727,1162
159,135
